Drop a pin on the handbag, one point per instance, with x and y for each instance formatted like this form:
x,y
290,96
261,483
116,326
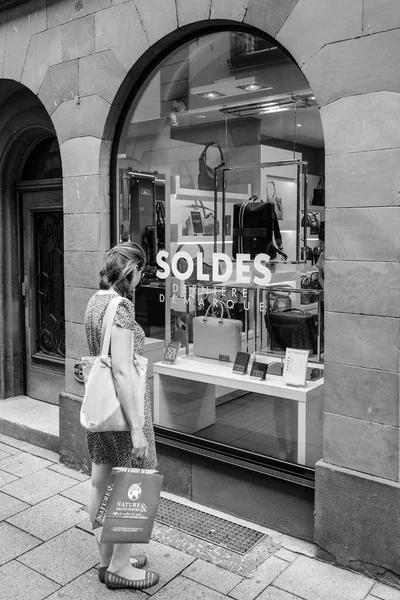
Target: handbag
x,y
255,229
291,329
182,266
217,337
312,222
309,255
205,178
277,202
128,509
101,410
319,192
279,301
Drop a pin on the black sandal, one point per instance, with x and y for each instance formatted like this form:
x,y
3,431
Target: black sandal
x,y
140,562
116,582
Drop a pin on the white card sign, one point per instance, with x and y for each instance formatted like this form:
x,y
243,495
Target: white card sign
x,y
295,369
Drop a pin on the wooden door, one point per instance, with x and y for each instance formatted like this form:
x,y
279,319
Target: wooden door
x,y
43,292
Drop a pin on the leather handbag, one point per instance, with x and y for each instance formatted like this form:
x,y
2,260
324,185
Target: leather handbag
x,y
319,192
312,222
101,410
205,178
277,202
256,229
292,329
217,337
280,301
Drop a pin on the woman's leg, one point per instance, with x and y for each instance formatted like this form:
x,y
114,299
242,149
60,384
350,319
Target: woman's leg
x,y
100,475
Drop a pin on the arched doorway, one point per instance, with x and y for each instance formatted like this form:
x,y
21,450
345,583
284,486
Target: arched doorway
x,y
41,209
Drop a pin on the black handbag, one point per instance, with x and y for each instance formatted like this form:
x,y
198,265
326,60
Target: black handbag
x,y
319,192
292,329
256,229
312,222
205,178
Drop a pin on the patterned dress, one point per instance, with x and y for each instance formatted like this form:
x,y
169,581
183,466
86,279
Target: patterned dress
x,y
115,447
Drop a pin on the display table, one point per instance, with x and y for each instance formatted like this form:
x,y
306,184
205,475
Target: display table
x,y
193,409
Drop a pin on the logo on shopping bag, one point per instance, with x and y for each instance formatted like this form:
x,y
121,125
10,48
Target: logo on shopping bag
x,y
135,491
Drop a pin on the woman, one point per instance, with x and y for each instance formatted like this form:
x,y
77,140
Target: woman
x,y
121,273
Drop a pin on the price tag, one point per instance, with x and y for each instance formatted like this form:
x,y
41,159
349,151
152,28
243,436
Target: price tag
x,y
241,363
295,369
171,352
259,370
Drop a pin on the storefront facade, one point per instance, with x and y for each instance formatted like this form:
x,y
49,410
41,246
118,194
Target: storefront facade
x,y
122,89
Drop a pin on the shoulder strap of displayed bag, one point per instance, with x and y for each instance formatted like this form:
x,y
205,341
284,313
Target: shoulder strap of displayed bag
x,y
108,321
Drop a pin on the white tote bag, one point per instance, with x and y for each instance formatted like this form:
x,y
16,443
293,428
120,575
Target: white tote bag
x,y
101,409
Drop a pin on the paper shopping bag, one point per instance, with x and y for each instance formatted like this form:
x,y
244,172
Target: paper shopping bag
x,y
128,509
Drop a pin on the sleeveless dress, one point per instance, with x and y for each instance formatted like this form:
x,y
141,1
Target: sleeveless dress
x,y
115,447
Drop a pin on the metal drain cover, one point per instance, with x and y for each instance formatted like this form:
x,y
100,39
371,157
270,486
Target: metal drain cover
x,y
216,530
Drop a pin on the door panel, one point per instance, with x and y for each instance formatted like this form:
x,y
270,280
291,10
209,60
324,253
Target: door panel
x,y
44,294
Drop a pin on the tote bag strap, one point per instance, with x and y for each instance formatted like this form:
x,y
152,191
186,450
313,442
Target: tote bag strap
x,y
108,321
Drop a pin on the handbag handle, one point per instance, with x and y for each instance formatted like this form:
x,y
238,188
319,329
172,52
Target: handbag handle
x,y
274,195
223,306
203,155
200,247
108,321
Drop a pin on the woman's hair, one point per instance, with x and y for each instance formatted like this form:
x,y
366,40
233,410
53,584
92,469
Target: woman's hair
x,y
119,265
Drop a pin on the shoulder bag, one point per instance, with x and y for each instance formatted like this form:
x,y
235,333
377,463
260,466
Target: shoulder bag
x,y
319,192
292,329
277,202
217,337
205,179
101,410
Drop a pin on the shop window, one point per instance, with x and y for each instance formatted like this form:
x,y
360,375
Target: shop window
x,y
220,177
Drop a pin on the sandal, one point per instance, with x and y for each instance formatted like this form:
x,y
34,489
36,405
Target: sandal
x,y
116,582
140,562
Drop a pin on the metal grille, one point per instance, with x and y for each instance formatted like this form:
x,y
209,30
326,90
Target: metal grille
x,y
216,530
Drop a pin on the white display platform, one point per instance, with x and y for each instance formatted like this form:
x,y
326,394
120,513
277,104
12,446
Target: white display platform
x,y
198,410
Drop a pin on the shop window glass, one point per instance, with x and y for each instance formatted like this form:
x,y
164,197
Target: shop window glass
x,y
220,177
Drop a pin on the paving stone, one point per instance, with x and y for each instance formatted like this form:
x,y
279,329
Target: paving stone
x,y
355,124
101,74
59,84
10,506
86,525
9,449
322,581
14,542
273,593
6,478
78,38
64,557
166,561
311,25
193,11
385,592
80,492
20,445
368,341
120,29
49,518
299,546
235,8
38,486
18,582
44,51
183,588
265,574
3,455
212,576
287,555
88,587
269,15
69,472
23,464
81,156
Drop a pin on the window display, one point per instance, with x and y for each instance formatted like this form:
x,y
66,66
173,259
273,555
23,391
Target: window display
x,y
219,178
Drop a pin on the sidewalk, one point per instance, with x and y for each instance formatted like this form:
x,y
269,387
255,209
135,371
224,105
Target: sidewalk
x,y
47,549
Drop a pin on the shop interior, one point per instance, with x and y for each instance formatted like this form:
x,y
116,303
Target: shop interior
x,y
228,126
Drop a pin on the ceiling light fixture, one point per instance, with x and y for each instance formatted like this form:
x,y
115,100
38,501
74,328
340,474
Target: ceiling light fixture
x,y
275,105
299,125
211,95
229,87
253,87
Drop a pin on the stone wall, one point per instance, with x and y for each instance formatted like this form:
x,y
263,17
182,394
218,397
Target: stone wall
x,y
80,58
